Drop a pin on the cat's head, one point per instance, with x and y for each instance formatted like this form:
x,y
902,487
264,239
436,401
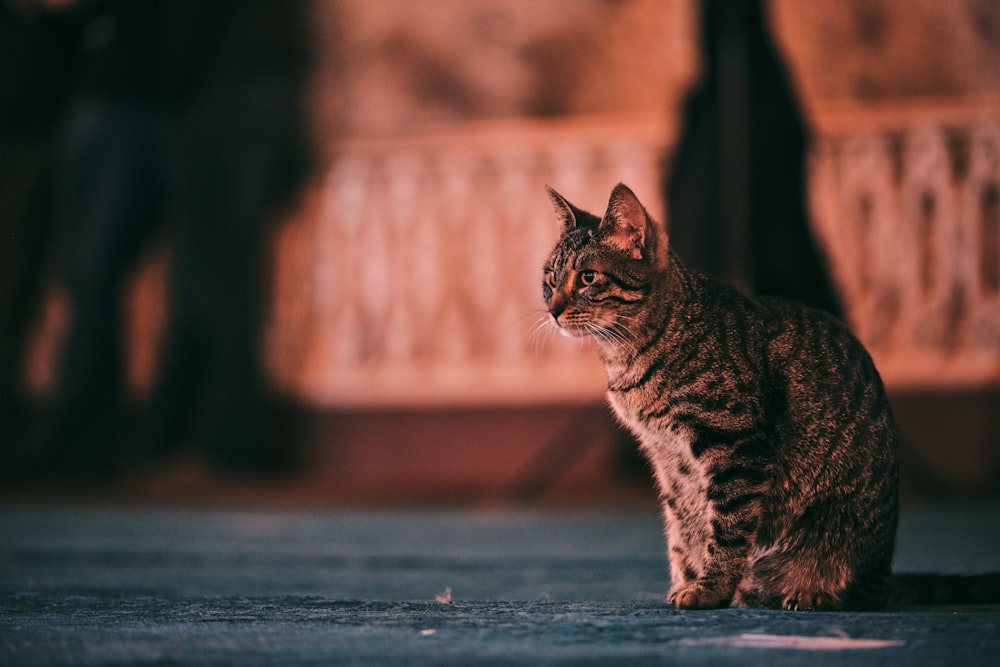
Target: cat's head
x,y
600,274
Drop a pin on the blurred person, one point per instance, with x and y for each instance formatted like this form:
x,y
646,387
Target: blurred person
x,y
235,156
35,65
108,198
186,113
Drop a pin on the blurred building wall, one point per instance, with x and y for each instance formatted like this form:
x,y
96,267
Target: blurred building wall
x,y
407,275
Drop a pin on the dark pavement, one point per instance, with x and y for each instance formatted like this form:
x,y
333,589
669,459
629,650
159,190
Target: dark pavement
x,y
188,587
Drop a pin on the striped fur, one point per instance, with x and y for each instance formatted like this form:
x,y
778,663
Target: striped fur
x,y
766,423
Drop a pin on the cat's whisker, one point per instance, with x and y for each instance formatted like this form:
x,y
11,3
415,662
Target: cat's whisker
x,y
615,332
620,321
618,326
536,330
541,333
534,312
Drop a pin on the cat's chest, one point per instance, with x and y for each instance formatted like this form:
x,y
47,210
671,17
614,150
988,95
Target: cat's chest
x,y
629,407
678,472
626,408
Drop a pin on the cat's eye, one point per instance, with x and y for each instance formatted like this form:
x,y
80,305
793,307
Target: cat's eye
x,y
588,277
550,279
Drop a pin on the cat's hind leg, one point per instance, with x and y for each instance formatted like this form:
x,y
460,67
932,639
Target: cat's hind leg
x,y
794,582
829,558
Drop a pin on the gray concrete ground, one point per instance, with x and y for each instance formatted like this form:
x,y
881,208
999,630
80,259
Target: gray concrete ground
x,y
157,587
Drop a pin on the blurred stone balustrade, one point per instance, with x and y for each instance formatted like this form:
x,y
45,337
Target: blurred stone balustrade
x,y
414,277
424,253
906,201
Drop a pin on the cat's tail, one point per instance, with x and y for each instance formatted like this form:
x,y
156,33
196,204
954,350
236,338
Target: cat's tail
x,y
945,589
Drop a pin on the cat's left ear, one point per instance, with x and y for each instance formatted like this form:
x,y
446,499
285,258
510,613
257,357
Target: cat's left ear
x,y
564,210
626,223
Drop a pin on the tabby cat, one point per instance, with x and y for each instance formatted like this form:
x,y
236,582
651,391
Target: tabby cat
x,y
766,424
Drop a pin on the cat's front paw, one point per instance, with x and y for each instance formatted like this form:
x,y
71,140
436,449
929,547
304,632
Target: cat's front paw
x,y
694,595
810,601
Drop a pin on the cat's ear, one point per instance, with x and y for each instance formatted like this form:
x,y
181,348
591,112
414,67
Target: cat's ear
x,y
626,225
565,211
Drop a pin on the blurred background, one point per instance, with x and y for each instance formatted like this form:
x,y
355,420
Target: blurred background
x,y
290,251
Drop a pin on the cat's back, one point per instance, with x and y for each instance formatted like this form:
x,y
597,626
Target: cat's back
x,y
815,352
827,402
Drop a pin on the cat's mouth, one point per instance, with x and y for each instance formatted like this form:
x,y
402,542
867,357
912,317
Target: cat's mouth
x,y
571,329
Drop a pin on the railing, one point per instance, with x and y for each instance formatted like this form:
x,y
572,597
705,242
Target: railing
x,y
420,258
907,204
412,277
422,264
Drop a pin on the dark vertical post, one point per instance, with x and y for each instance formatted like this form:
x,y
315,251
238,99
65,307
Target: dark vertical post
x,y
736,186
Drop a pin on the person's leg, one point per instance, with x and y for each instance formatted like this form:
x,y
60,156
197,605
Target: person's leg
x,y
106,203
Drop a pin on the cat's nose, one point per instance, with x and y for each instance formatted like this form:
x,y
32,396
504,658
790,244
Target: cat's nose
x,y
557,305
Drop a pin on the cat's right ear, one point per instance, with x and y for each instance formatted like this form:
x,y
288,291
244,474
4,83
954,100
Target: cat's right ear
x,y
565,211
